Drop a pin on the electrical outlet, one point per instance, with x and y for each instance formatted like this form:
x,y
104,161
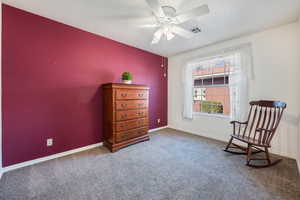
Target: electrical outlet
x,y
49,142
158,120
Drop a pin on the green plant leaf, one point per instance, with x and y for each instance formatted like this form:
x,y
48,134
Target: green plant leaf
x,y
126,76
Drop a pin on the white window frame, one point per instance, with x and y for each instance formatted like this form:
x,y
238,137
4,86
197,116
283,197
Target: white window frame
x,y
212,75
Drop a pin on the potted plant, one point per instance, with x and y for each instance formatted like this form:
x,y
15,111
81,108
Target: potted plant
x,y
127,77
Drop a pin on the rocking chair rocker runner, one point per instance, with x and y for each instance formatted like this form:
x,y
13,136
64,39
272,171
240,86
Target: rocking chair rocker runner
x,y
257,131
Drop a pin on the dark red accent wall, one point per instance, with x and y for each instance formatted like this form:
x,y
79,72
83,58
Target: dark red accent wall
x,y
51,74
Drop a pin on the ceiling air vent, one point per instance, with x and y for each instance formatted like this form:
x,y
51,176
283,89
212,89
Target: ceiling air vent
x,y
196,30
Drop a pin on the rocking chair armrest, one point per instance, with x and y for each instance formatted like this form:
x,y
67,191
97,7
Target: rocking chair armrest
x,y
233,122
239,126
263,129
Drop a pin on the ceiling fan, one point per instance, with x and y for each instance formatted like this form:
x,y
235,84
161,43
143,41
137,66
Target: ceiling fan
x,y
167,20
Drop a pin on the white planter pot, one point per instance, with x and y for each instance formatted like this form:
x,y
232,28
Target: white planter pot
x,y
127,81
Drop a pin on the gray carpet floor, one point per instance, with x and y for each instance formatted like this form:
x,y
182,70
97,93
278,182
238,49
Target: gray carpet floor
x,y
172,165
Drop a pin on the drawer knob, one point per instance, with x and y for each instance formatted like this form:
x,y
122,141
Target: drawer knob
x,y
124,105
124,95
140,95
124,116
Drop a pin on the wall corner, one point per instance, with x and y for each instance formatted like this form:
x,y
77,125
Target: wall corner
x,y
1,166
298,157
1,173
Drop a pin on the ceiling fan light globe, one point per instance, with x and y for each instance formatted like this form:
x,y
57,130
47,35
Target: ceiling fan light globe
x,y
155,40
170,36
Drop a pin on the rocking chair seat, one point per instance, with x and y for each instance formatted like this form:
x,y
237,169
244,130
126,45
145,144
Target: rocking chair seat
x,y
249,140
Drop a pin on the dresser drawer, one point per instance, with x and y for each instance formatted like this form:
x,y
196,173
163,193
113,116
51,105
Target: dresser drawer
x,y
132,104
121,136
131,114
131,124
131,94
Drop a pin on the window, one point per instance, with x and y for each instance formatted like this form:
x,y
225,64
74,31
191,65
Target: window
x,y
211,85
218,84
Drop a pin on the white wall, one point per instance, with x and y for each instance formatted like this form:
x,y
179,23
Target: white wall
x,y
298,160
276,62
0,89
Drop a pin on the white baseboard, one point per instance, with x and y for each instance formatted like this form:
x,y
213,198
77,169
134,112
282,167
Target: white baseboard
x,y
199,134
43,159
157,129
226,141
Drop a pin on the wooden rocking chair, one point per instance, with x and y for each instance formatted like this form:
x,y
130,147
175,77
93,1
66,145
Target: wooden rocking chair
x,y
257,131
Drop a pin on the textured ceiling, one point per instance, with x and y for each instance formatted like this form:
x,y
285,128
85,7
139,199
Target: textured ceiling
x,y
227,19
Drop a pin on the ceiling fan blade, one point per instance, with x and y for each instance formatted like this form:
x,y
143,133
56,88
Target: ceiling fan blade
x,y
182,32
156,8
143,22
157,36
135,21
196,12
149,26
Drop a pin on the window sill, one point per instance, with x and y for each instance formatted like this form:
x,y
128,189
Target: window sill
x,y
211,115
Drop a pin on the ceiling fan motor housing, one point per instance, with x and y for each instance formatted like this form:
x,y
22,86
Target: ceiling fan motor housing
x,y
169,11
170,16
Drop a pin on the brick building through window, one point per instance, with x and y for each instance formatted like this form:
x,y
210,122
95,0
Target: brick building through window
x,y
211,86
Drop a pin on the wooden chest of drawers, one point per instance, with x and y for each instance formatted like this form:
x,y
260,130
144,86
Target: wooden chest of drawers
x,y
125,114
